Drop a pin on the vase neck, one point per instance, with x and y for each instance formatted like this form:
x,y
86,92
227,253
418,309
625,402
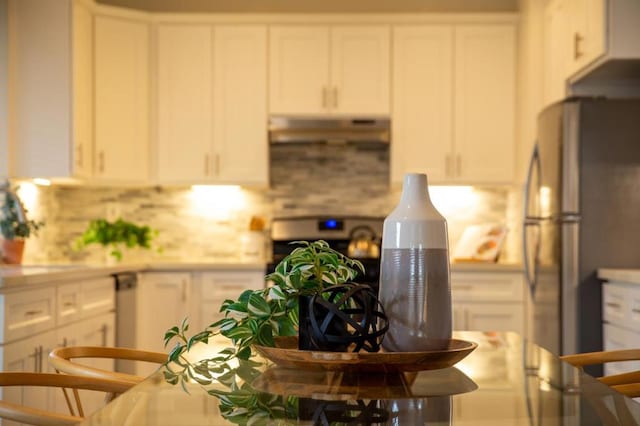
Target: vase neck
x,y
415,188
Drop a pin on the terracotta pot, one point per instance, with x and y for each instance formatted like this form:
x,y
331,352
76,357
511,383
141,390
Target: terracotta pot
x,y
12,251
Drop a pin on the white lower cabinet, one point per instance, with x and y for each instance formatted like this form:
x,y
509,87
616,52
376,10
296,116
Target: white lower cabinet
x,y
621,316
216,287
488,301
38,319
163,301
28,355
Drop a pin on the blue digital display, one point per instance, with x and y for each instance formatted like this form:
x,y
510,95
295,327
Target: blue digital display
x,y
331,224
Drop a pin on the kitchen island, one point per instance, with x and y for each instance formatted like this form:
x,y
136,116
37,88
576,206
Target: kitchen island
x,y
505,381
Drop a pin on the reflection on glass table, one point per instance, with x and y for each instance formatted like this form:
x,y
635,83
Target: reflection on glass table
x,y
505,381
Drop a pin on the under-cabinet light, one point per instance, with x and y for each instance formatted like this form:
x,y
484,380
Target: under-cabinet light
x,y
42,181
216,201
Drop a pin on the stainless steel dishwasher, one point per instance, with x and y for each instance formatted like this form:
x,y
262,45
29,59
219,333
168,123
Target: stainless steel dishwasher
x,y
126,312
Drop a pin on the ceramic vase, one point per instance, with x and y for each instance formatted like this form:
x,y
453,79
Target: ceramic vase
x,y
415,287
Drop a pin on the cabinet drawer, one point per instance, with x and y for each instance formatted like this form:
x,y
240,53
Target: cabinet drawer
x,y
621,305
27,313
219,286
491,287
98,296
68,304
615,337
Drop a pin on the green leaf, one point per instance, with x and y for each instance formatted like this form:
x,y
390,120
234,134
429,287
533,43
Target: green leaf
x,y
276,293
258,306
238,333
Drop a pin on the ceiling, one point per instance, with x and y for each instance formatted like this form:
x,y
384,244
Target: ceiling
x,y
318,6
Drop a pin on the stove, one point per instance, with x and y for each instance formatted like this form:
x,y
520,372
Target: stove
x,y
338,231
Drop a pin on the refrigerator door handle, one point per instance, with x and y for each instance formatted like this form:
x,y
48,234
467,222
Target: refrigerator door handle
x,y
529,221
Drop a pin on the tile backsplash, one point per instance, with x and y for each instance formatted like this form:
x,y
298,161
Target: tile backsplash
x,y
208,224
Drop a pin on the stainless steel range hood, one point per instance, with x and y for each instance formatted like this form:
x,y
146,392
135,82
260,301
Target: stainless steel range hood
x,y
329,130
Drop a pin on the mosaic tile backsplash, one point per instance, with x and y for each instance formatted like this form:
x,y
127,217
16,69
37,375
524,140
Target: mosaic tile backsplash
x,y
208,224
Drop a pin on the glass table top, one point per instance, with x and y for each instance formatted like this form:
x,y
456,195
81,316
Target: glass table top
x,y
505,381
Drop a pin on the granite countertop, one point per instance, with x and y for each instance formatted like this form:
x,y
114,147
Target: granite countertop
x,y
631,276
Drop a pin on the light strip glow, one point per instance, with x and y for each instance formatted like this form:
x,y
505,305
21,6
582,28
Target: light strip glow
x,y
216,201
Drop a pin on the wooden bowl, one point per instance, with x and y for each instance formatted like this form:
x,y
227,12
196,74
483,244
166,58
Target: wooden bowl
x,y
287,354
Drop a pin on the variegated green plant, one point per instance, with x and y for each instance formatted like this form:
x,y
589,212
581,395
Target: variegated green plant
x,y
257,316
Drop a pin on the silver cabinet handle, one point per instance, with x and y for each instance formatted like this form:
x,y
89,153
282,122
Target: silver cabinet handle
x,y
635,310
617,306
79,160
101,162
325,93
104,329
577,42
32,313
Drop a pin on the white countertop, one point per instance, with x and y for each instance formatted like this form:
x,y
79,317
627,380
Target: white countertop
x,y
620,275
25,275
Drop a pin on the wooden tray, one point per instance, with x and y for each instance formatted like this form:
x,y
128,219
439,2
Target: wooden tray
x,y
287,354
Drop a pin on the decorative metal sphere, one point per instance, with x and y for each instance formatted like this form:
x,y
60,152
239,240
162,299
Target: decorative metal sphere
x,y
341,316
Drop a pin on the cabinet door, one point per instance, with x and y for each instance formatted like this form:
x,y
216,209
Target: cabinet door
x,y
484,103
587,33
121,99
360,69
184,70
82,90
215,287
240,104
422,96
298,69
28,355
556,50
162,302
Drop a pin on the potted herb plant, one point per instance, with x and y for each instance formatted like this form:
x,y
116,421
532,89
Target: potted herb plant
x,y
259,316
116,236
15,228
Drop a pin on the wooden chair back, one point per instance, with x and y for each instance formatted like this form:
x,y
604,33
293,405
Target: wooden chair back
x,y
626,383
63,359
35,416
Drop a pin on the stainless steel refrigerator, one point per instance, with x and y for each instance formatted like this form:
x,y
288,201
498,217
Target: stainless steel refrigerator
x,y
582,212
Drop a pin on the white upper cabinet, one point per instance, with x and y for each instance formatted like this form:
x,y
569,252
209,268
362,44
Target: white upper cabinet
x,y
581,35
240,104
184,85
212,104
50,110
484,104
338,69
121,99
453,103
422,101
